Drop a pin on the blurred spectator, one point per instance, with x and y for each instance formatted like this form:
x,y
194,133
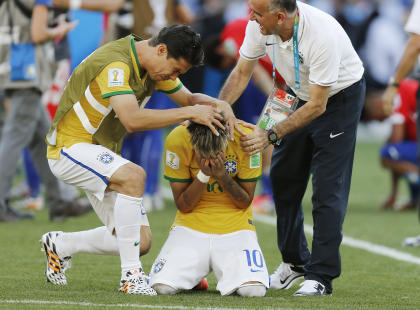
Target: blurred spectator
x,y
355,17
51,97
150,17
405,66
399,153
384,44
27,64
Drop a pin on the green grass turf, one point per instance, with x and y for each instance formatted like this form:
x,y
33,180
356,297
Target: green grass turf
x,y
368,281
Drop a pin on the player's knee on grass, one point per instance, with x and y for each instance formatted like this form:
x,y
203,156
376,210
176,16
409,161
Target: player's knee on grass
x,y
164,289
145,239
254,289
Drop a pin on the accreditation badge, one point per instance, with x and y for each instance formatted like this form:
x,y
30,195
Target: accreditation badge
x,y
279,106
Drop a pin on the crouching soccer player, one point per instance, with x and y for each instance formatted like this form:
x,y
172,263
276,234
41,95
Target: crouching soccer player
x,y
213,183
103,100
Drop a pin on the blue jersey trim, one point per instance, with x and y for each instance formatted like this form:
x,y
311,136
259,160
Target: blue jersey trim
x,y
103,178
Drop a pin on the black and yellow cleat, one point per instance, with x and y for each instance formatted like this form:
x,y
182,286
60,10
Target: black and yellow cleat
x,y
135,282
56,266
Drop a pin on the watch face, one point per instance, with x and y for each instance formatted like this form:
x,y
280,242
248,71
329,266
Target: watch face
x,y
272,136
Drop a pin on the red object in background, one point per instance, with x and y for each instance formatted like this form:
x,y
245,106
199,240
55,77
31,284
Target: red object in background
x,y
408,107
234,33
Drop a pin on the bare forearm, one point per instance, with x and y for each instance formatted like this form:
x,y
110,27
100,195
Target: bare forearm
x,y
40,32
263,80
240,197
299,118
148,119
43,34
189,199
408,59
198,98
106,6
234,86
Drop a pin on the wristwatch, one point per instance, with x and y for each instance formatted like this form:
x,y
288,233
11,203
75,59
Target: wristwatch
x,y
272,136
392,82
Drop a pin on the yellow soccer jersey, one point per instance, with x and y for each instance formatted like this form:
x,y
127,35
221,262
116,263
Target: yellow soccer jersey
x,y
84,119
215,212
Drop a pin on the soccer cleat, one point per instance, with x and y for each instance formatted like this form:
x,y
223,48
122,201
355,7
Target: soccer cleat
x,y
285,276
136,282
203,285
56,266
412,241
311,288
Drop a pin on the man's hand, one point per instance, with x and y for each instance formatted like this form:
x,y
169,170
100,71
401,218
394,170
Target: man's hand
x,y
63,27
388,99
245,124
255,142
207,115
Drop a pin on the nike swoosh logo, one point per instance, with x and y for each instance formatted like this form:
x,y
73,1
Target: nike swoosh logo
x,y
136,243
270,44
282,282
255,270
336,135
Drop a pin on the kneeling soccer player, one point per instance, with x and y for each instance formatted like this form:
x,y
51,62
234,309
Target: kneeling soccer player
x,y
213,183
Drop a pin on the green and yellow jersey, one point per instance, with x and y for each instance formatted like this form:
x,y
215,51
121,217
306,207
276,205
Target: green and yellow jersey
x,y
86,116
215,212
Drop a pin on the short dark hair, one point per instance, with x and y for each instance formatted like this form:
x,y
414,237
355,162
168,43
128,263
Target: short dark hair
x,y
182,42
205,142
288,5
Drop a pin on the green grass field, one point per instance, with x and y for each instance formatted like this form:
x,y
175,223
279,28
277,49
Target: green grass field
x,y
368,281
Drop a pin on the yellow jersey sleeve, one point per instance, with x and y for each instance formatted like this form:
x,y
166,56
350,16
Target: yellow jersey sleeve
x,y
168,86
113,80
178,151
251,166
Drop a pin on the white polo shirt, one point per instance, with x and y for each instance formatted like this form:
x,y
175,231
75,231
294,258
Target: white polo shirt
x,y
413,23
326,54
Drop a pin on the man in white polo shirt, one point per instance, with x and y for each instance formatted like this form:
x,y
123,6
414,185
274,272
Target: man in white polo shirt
x,y
315,57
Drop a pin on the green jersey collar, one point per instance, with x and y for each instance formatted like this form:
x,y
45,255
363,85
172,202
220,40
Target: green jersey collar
x,y
133,48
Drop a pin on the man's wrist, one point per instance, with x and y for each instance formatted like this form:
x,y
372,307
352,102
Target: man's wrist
x,y
202,177
393,83
75,4
272,136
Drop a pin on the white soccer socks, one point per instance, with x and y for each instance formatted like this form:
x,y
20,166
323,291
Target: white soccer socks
x,y
127,219
94,241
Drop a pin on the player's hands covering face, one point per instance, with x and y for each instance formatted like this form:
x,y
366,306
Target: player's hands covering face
x,y
214,167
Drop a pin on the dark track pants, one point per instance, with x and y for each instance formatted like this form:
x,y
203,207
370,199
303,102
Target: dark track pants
x,y
325,149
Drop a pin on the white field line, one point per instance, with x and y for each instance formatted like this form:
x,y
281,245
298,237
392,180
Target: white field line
x,y
354,243
113,306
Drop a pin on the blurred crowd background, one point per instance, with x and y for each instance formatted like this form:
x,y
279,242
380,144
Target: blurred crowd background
x,y
375,27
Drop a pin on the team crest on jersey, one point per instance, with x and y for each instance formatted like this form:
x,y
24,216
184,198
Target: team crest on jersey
x,y
172,160
115,77
159,265
231,164
105,158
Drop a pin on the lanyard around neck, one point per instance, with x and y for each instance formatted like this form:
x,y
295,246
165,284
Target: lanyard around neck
x,y
295,52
